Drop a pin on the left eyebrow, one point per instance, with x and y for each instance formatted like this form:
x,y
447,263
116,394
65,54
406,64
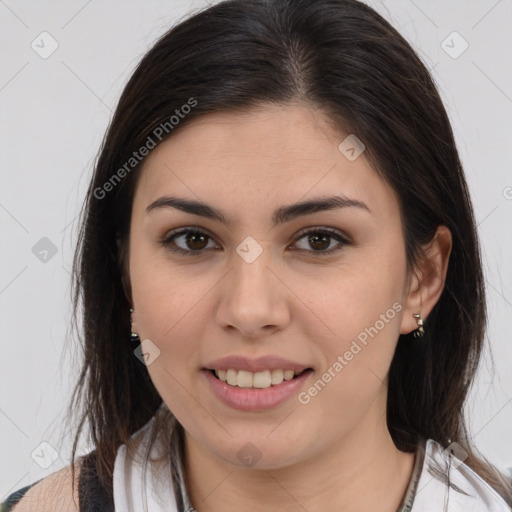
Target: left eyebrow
x,y
280,216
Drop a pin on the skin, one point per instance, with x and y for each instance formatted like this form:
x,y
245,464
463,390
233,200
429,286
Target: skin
x,y
334,453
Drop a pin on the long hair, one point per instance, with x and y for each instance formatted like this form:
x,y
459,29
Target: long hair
x,y
343,59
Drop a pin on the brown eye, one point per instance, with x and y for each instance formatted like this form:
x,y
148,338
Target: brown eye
x,y
319,242
192,242
196,241
320,239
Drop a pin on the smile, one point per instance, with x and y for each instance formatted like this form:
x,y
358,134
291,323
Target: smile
x,y
260,380
252,398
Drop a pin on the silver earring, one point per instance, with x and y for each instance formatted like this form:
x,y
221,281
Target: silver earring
x,y
134,336
419,332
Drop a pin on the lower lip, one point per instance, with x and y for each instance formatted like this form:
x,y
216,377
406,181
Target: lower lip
x,y
254,399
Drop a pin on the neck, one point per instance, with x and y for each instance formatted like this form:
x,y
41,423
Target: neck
x,y
362,471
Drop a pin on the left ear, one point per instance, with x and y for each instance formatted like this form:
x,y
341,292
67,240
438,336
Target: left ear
x,y
426,284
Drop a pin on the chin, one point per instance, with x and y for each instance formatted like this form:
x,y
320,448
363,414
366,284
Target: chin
x,y
251,453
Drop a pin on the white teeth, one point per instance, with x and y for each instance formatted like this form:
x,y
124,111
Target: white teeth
x,y
277,376
261,380
288,374
231,377
244,379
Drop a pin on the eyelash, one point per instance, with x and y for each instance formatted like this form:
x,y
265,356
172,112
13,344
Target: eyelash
x,y
169,239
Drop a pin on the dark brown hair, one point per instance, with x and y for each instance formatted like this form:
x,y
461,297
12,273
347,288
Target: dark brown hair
x,y
343,59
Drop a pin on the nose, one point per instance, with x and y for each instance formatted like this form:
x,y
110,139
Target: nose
x,y
253,298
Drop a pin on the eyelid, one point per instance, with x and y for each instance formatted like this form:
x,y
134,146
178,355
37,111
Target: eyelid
x,y
342,239
327,229
184,230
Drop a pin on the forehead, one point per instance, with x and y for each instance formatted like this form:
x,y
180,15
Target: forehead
x,y
274,154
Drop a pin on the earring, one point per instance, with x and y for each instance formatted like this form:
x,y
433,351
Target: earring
x,y
133,336
419,332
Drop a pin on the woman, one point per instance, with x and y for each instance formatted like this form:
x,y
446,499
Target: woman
x,y
280,278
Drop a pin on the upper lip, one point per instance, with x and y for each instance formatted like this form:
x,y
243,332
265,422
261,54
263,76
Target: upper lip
x,y
255,365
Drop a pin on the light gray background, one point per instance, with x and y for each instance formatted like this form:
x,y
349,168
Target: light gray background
x,y
54,113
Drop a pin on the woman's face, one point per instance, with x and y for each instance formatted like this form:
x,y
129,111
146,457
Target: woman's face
x,y
253,288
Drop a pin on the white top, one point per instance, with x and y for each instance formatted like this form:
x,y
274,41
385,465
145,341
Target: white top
x,y
143,486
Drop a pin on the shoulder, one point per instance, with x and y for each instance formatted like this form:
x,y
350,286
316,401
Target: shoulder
x,y
53,493
445,473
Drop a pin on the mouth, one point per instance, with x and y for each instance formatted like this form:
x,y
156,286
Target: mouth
x,y
258,391
256,380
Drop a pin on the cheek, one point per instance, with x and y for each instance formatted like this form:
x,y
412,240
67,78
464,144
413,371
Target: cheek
x,y
163,296
356,356
357,316
171,310
347,302
167,306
